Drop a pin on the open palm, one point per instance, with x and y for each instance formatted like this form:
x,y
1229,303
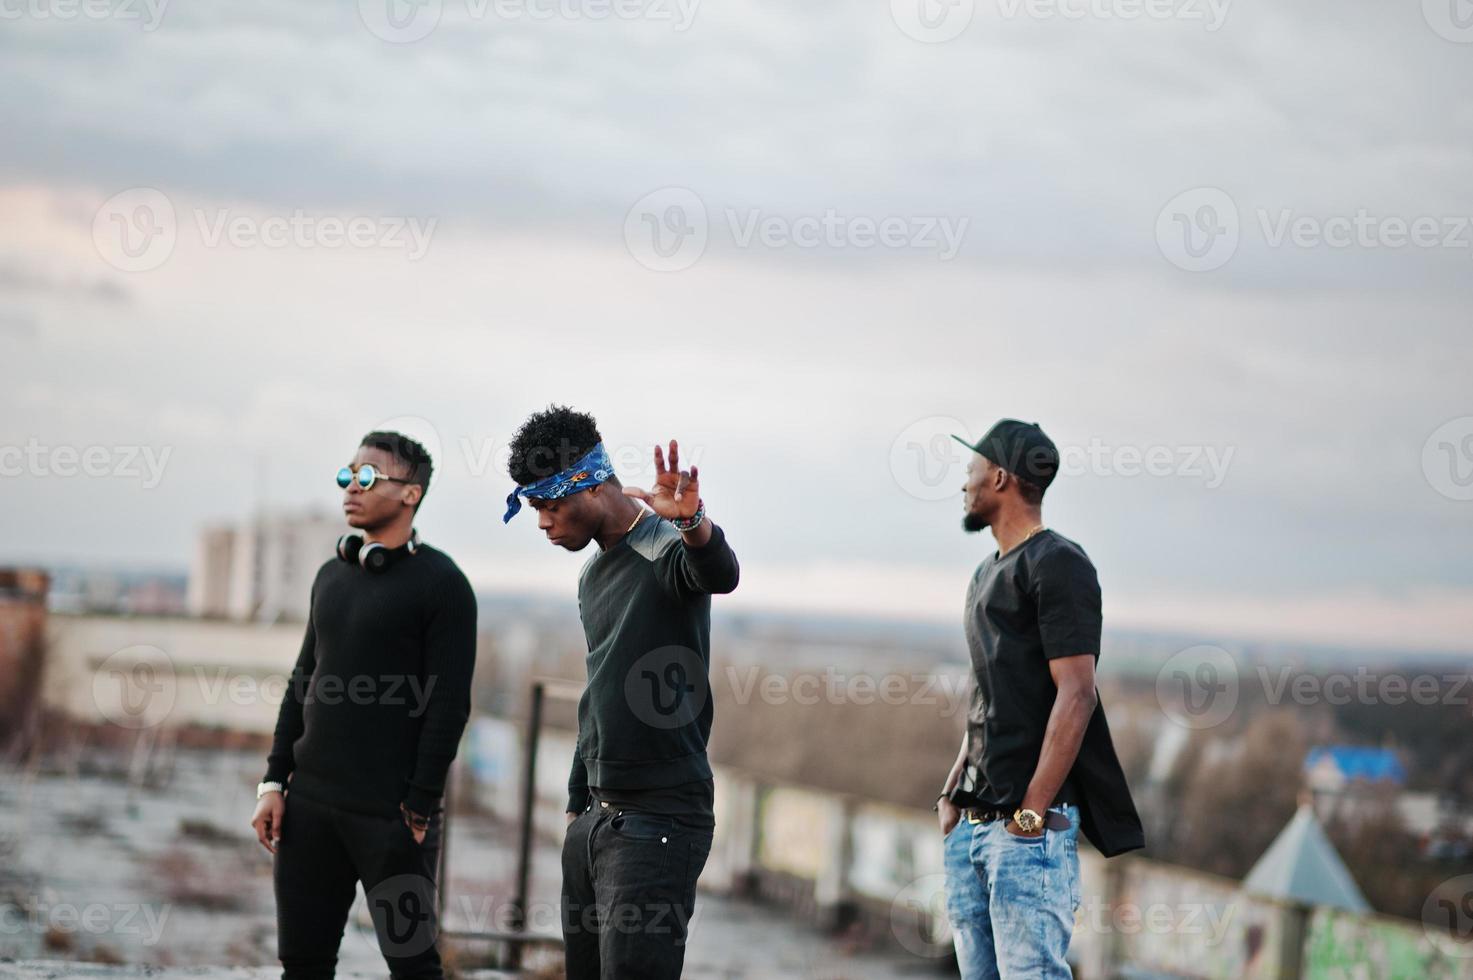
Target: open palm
x,y
676,493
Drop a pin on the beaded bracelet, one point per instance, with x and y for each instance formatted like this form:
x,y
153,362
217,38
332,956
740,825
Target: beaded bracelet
x,y
692,522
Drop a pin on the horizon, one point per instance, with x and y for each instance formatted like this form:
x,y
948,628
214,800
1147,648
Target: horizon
x,y
1311,648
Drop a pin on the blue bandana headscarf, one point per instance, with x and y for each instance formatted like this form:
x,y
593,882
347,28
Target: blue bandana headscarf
x,y
594,468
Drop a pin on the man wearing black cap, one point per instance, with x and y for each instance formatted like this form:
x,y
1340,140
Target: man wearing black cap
x,y
1036,764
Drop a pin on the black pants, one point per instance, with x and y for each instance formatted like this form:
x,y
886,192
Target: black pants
x,y
324,853
629,889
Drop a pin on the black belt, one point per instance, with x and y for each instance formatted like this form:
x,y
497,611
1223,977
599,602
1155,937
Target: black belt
x,y
1052,818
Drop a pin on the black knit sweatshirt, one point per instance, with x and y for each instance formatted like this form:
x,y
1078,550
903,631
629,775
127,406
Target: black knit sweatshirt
x,y
380,694
645,716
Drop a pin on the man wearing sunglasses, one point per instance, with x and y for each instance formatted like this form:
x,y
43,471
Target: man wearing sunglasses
x,y
368,726
640,794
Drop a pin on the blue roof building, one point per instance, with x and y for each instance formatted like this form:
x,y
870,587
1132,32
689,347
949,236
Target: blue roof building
x,y
1348,763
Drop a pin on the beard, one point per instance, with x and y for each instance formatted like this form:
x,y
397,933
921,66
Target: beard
x,y
973,523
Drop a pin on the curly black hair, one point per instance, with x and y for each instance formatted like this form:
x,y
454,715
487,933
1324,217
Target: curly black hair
x,y
407,451
549,442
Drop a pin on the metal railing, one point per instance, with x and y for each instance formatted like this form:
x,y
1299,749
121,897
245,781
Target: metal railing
x,y
516,938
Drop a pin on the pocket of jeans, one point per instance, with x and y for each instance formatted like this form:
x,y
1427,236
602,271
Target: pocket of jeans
x,y
1071,868
699,854
643,826
1040,839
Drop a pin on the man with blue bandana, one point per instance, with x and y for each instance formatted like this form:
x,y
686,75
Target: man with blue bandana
x,y
640,794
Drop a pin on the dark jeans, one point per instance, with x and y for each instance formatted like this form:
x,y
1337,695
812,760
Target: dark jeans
x,y
629,890
324,853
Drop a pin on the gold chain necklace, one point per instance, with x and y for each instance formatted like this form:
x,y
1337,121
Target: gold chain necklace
x,y
637,518
1025,539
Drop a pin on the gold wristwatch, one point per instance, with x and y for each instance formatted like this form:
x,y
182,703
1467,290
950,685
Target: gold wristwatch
x,y
1028,821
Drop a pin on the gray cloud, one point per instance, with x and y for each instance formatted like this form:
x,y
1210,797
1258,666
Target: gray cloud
x,y
1058,138
1324,369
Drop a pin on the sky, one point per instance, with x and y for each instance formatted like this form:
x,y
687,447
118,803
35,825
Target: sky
x,y
1220,251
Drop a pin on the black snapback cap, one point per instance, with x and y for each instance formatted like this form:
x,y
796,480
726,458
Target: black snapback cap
x,y
1021,448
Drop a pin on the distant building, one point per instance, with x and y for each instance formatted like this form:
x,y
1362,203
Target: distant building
x,y
1335,768
1301,865
1441,822
116,591
209,573
262,569
22,650
1346,782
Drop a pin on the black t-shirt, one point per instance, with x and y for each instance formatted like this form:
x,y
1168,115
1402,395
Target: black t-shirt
x,y
1038,602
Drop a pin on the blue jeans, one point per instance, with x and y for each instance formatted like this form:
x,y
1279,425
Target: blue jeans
x,y
1011,900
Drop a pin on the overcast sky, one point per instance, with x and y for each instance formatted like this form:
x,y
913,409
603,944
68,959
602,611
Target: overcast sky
x,y
1220,251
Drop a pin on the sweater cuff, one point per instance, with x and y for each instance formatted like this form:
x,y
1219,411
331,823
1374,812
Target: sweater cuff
x,y
421,802
713,543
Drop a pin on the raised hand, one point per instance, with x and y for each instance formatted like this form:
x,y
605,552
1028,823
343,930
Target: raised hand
x,y
677,493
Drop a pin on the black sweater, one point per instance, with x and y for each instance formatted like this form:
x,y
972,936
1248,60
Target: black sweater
x,y
645,716
380,694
